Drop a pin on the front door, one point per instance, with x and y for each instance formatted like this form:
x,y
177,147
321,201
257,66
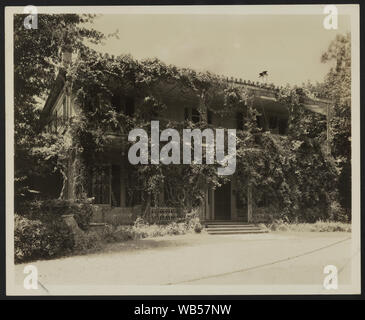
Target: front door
x,y
222,202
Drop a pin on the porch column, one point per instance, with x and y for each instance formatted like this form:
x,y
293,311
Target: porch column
x,y
206,206
123,181
249,203
71,192
233,198
212,210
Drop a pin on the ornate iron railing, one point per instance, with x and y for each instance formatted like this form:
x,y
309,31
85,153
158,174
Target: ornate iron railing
x,y
164,214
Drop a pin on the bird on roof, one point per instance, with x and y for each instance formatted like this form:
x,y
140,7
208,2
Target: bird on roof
x,y
263,74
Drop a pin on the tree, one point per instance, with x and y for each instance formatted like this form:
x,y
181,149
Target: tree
x,y
337,86
37,60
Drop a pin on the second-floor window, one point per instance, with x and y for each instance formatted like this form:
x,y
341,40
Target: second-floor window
x,y
210,117
283,126
239,119
195,115
260,122
273,122
123,104
192,114
129,106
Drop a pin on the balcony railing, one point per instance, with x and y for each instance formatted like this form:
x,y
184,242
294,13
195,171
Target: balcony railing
x,y
164,214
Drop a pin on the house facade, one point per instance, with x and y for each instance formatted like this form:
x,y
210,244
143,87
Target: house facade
x,y
112,183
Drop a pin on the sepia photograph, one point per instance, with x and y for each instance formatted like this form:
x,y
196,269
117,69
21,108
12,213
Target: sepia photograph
x,y
182,150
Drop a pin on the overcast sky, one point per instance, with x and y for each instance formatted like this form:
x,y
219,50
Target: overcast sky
x,y
289,47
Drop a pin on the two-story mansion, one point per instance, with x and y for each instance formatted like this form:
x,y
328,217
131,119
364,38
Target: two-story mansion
x,y
110,180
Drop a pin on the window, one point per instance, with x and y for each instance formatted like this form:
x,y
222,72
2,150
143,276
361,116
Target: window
x,y
122,104
187,114
239,119
195,115
100,184
116,103
260,122
133,192
129,106
210,117
89,104
192,114
283,126
273,121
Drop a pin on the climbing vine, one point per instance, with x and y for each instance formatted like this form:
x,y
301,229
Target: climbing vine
x,y
290,174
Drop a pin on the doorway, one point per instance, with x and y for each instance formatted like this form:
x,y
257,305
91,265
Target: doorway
x,y
222,202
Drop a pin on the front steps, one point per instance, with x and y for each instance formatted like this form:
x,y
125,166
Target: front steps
x,y
232,227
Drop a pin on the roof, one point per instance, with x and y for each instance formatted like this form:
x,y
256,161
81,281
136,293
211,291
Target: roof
x,y
268,92
263,90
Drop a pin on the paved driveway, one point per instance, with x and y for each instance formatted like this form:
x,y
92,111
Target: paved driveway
x,y
195,261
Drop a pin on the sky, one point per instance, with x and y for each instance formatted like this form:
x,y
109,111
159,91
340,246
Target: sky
x,y
289,47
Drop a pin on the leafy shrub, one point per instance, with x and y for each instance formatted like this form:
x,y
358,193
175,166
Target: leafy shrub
x,y
112,234
176,228
34,239
140,222
87,241
195,225
339,213
48,210
319,226
142,229
124,233
192,221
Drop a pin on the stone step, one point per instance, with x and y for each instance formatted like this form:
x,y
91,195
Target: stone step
x,y
212,222
97,224
98,227
236,232
232,229
247,226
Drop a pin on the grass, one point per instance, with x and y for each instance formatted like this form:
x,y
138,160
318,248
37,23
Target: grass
x,y
319,226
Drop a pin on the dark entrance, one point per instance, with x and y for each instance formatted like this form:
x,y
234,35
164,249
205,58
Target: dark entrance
x,y
222,202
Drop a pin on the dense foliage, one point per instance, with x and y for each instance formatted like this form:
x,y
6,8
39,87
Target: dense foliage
x,y
36,239
292,174
47,210
37,61
40,231
337,88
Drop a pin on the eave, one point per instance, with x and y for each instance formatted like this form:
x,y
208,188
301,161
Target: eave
x,y
52,97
